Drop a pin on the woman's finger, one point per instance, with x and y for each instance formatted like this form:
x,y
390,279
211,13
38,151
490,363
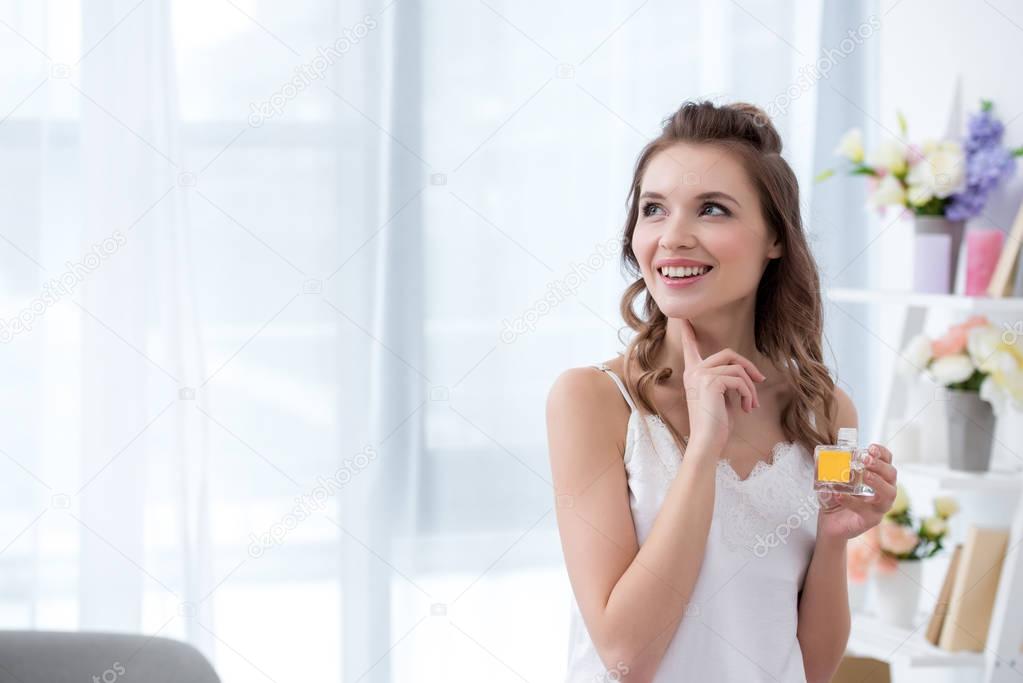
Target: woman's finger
x,y
740,372
883,490
690,349
726,356
725,382
861,505
886,470
880,452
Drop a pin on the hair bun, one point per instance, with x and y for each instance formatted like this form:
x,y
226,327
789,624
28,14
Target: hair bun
x,y
763,134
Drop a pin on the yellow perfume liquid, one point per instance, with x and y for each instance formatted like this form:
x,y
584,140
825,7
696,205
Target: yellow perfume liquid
x,y
839,468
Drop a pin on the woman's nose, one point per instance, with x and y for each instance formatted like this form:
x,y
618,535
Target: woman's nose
x,y
678,233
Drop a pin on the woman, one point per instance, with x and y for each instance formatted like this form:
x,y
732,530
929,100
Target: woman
x,y
696,547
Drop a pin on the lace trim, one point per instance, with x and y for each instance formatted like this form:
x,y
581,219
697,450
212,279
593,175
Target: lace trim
x,y
725,464
756,513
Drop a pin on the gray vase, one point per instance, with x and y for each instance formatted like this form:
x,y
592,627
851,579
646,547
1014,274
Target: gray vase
x,y
934,236
971,428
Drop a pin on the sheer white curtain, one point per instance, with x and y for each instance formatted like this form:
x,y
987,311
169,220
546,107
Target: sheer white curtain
x,y
292,411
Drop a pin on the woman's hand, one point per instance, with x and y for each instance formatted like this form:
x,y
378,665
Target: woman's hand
x,y
715,388
843,516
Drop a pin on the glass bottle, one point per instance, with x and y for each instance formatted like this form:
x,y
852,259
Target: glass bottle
x,y
839,468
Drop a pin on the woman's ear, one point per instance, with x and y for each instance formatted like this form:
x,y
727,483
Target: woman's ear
x,y
776,250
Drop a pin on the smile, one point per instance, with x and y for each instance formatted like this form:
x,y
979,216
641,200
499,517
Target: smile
x,y
682,276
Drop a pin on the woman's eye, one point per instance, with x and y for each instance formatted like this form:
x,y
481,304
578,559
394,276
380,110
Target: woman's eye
x,y
714,205
647,208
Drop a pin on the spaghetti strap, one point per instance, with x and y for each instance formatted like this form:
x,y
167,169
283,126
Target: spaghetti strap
x,y
618,381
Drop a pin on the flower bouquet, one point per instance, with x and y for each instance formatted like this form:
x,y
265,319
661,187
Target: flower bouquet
x,y
895,548
981,370
941,182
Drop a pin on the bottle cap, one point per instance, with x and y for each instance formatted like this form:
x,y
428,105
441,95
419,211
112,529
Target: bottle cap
x,y
847,434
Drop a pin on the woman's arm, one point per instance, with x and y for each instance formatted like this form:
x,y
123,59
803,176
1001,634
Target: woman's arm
x,y
824,608
630,597
824,619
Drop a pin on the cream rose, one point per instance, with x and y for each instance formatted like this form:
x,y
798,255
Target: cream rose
x,y
952,369
901,502
945,506
889,192
851,146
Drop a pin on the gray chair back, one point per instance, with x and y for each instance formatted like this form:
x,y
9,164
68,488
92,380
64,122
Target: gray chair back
x,y
84,657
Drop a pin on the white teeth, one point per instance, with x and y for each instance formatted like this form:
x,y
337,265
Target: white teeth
x,y
684,271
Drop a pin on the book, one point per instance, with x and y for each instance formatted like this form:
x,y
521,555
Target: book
x,y
941,607
973,590
1005,270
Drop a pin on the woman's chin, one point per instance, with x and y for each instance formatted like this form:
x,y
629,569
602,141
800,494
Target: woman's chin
x,y
679,309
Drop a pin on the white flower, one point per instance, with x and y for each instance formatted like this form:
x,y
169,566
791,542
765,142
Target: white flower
x,y
1014,385
901,502
952,369
917,355
889,192
945,506
948,164
939,173
1000,361
1001,386
851,146
981,343
891,155
934,527
993,394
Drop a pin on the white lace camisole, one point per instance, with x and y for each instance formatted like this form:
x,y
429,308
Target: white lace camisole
x,y
741,621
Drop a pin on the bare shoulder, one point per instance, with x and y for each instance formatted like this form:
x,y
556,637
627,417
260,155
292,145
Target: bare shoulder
x,y
845,415
586,392
584,405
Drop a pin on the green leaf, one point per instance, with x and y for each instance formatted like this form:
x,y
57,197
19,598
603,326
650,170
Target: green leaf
x,y
935,206
862,169
824,175
986,105
903,127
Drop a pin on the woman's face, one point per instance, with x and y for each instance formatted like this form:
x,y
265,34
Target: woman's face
x,y
698,209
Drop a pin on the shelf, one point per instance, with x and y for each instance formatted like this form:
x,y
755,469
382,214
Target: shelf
x,y
871,637
956,480
915,299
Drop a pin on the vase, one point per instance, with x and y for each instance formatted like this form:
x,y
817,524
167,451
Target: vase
x,y
936,245
898,593
971,428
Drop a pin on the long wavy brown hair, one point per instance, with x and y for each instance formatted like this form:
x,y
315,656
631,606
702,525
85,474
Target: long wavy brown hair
x,y
788,318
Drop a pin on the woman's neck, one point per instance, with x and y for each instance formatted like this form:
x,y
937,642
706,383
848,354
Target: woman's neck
x,y
714,331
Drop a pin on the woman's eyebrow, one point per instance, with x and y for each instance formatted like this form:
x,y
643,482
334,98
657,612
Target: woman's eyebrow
x,y
702,196
652,194
719,195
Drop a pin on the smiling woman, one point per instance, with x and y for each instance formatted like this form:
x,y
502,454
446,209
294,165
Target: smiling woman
x,y
679,538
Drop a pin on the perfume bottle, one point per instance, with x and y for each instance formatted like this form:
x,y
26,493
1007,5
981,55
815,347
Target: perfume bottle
x,y
840,468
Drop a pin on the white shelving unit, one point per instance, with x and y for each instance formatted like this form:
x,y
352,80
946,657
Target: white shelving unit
x,y
871,637
906,650
955,480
